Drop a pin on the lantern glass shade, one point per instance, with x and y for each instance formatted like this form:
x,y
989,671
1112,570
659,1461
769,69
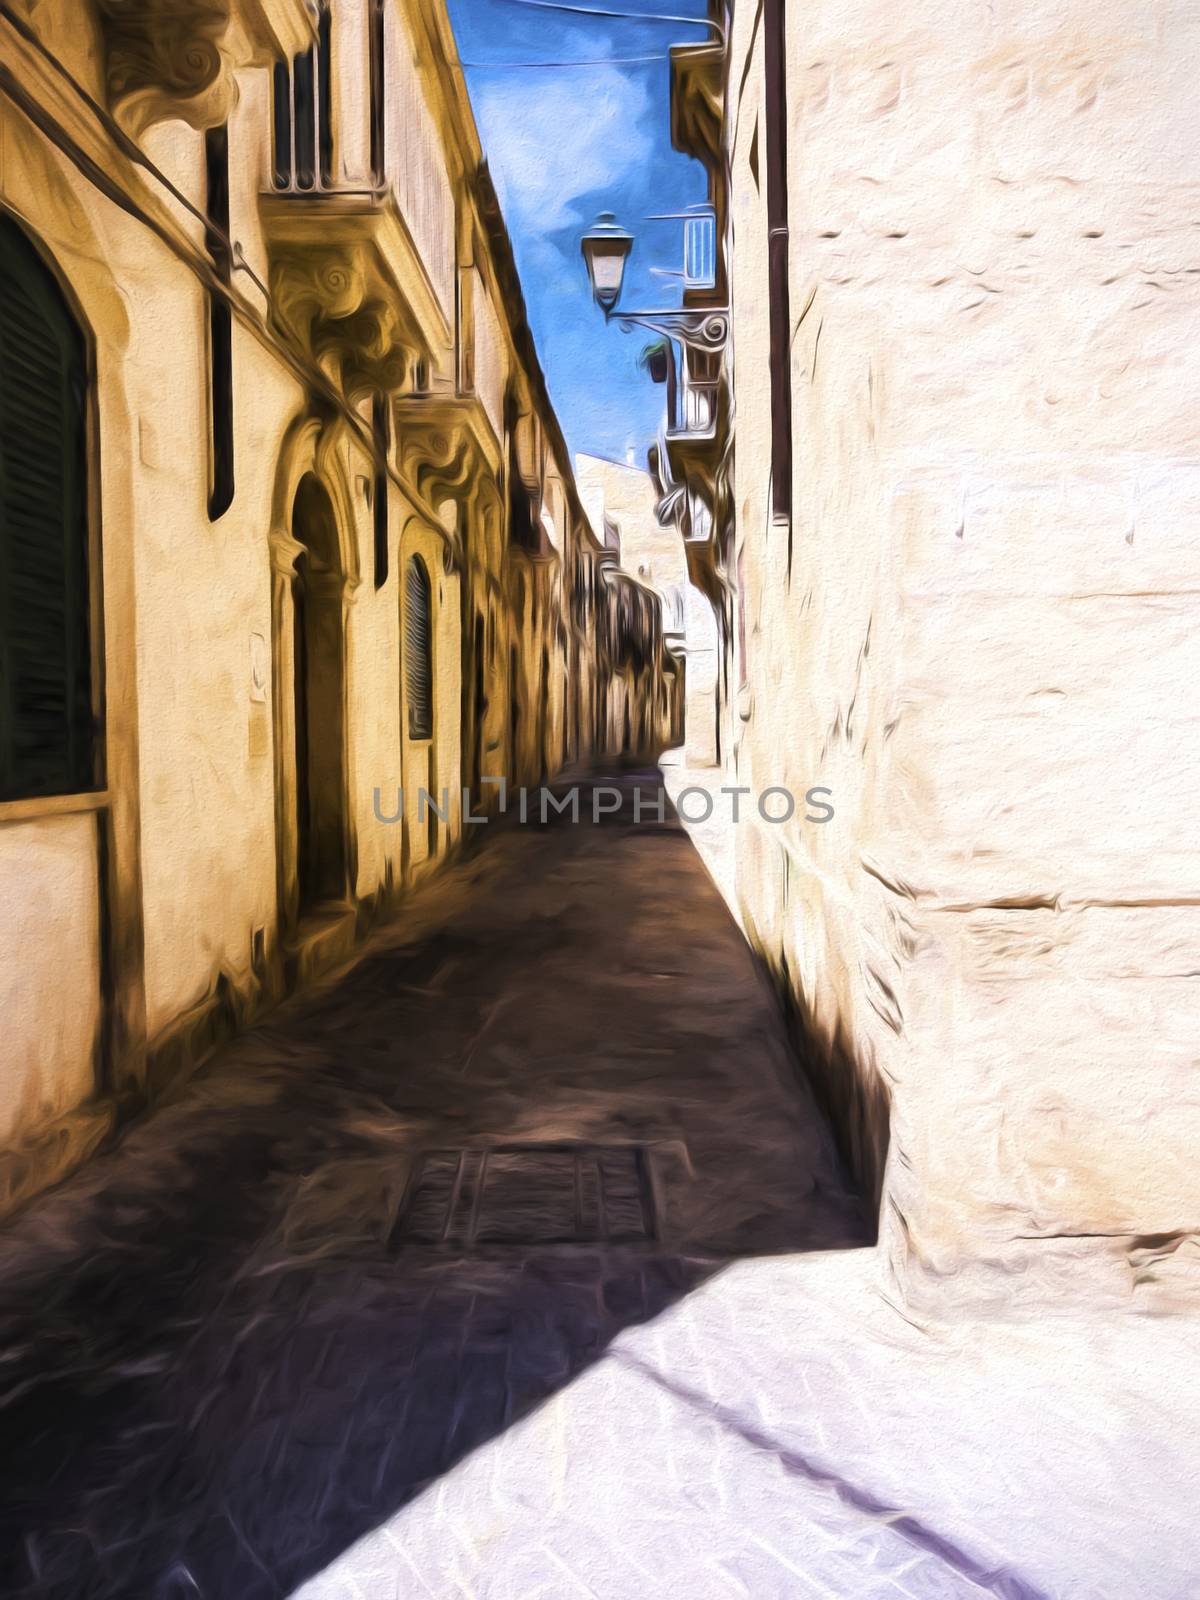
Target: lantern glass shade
x,y
605,248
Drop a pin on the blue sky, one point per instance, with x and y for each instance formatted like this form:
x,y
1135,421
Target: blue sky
x,y
563,144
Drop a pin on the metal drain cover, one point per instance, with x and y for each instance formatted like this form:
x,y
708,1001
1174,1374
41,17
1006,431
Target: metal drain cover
x,y
528,1195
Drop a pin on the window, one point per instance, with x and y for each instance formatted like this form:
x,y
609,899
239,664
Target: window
x,y
381,429
774,40
302,114
700,251
46,715
418,650
377,49
220,325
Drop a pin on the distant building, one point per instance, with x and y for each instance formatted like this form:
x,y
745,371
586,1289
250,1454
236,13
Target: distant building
x,y
622,500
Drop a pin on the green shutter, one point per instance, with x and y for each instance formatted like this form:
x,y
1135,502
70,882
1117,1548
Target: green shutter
x,y
45,655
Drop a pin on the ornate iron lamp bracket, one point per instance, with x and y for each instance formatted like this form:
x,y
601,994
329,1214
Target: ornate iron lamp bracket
x,y
701,328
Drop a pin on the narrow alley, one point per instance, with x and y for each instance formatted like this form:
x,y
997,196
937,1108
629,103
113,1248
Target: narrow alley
x,y
598,895
294,1296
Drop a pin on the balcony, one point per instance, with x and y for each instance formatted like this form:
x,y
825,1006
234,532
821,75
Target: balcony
x,y
690,503
349,282
695,436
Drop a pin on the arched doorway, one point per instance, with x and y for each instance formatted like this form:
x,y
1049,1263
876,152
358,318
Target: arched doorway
x,y
417,692
318,700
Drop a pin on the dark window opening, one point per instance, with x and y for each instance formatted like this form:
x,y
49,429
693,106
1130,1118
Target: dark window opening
x,y
479,704
514,709
381,430
304,135
777,258
376,68
220,325
324,99
418,650
281,123
47,722
303,115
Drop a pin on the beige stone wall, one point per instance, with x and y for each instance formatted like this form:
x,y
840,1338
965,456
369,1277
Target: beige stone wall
x,y
984,640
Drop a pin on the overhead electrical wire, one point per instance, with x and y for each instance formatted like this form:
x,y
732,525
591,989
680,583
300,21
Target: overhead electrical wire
x,y
594,61
620,16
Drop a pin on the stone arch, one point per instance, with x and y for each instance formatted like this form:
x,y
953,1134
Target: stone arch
x,y
312,447
315,576
319,754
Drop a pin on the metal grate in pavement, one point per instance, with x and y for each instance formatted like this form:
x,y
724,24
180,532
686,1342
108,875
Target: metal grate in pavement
x,y
529,1195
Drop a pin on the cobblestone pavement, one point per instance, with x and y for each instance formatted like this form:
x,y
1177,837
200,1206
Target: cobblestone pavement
x,y
287,1337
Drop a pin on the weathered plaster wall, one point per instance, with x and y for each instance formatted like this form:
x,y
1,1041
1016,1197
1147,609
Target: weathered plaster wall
x,y
985,637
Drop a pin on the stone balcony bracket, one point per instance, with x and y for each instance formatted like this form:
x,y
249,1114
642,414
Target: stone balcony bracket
x,y
446,449
175,58
346,282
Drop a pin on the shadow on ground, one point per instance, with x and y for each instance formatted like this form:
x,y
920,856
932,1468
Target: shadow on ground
x,y
294,1296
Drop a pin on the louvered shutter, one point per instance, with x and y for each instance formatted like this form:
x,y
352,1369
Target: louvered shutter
x,y
45,657
418,651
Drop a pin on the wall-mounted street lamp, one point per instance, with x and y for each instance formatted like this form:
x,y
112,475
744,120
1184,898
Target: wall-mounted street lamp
x,y
606,247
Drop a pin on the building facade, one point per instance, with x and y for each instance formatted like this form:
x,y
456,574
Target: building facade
x,y
290,534
962,548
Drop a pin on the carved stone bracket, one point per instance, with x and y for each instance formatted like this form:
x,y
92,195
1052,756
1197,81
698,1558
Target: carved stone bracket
x,y
174,58
447,451
166,58
370,345
341,275
328,301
